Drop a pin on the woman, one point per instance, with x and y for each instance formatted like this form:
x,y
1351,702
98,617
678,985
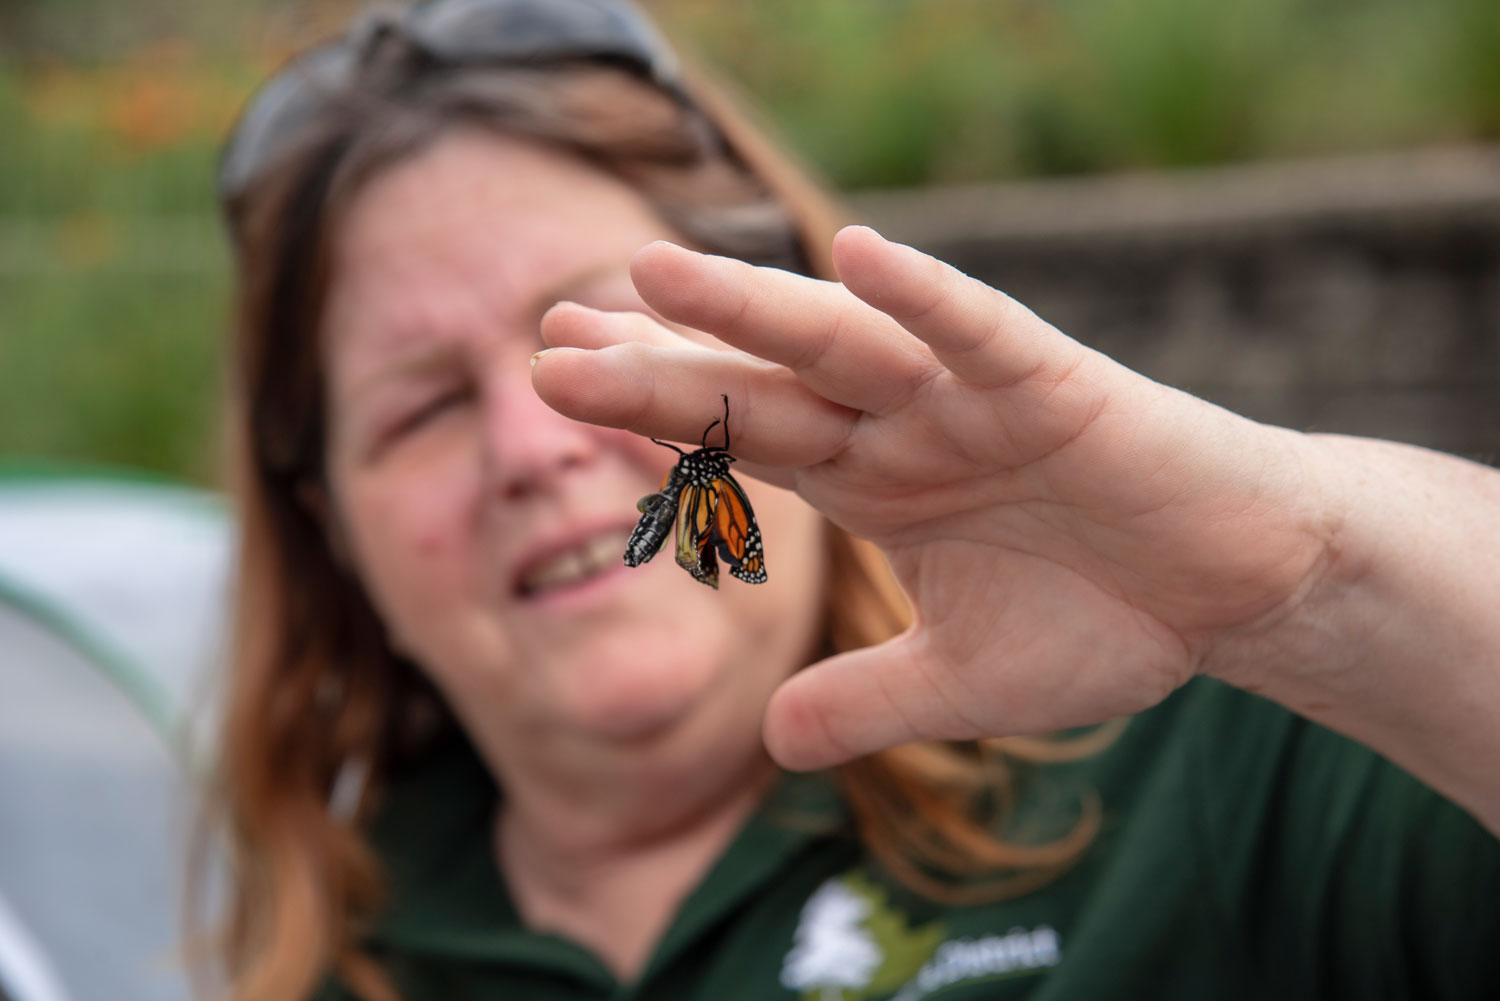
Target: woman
x,y
468,754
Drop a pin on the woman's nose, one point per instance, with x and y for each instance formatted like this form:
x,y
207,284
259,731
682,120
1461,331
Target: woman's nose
x,y
529,446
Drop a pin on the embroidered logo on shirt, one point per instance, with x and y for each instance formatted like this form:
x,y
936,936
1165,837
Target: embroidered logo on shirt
x,y
852,944
1021,950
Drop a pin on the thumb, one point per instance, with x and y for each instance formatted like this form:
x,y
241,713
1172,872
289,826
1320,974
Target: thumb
x,y
857,703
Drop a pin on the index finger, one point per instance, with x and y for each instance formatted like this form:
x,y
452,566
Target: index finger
x,y
674,392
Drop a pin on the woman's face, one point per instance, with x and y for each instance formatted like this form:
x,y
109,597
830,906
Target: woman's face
x,y
487,529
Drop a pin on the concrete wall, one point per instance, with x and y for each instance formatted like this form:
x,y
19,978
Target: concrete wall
x,y
1358,296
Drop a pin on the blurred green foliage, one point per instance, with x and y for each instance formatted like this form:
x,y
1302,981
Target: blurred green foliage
x,y
905,92
113,277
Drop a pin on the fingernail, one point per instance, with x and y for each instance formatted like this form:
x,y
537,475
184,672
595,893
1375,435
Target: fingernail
x,y
550,351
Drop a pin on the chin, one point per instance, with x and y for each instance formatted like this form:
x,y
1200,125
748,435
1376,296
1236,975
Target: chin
x,y
637,691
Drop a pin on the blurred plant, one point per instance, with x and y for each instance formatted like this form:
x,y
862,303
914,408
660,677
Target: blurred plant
x,y
895,92
1178,82
102,363
1469,62
112,279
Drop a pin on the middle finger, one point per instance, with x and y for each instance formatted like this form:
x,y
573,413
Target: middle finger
x,y
843,349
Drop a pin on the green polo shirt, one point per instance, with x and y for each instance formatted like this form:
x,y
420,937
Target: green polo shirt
x,y
1245,853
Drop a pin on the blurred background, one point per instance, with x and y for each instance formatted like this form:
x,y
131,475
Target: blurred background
x,y
1291,207
113,273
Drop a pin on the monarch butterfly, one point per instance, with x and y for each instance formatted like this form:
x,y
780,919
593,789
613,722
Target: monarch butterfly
x,y
712,515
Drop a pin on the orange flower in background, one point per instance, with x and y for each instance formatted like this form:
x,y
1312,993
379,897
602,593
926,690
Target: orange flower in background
x,y
151,101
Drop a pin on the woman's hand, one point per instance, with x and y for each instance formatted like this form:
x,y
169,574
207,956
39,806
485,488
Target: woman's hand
x,y
1077,540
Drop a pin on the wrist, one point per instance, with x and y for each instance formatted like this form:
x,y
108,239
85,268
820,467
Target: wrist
x,y
1393,641
1300,632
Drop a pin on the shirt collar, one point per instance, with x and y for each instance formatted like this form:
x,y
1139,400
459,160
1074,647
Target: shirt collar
x,y
446,895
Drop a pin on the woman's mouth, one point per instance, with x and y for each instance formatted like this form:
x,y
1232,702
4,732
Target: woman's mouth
x,y
573,566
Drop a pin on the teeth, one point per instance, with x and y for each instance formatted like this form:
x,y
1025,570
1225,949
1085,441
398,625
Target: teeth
x,y
576,564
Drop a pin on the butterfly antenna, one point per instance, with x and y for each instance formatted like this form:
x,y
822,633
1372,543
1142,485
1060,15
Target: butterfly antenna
x,y
726,420
704,442
665,444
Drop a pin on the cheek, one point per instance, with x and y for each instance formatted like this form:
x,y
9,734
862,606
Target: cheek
x,y
409,539
791,529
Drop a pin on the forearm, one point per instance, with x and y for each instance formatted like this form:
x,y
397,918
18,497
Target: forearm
x,y
1396,643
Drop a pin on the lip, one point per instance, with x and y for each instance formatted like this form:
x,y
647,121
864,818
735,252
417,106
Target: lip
x,y
575,597
558,542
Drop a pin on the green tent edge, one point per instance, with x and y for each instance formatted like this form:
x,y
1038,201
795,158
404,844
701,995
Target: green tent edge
x,y
149,697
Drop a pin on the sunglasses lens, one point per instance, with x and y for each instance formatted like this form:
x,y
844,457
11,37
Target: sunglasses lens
x,y
523,30
272,122
452,32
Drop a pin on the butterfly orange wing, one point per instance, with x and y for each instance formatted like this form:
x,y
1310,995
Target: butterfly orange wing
x,y
695,520
737,532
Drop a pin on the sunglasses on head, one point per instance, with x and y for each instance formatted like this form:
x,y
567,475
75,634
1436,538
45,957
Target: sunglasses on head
x,y
442,34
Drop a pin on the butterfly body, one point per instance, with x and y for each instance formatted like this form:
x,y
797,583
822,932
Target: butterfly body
x,y
713,518
658,512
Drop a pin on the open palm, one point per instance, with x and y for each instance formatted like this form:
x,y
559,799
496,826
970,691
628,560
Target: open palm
x,y
1076,539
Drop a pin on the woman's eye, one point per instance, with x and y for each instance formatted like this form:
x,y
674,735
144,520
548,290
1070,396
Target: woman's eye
x,y
432,407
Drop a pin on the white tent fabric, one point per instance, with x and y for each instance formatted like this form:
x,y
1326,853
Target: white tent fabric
x,y
112,613
24,969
